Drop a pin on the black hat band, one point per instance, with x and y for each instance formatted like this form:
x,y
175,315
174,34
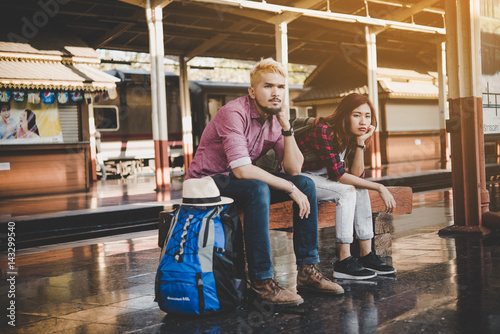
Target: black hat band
x,y
201,200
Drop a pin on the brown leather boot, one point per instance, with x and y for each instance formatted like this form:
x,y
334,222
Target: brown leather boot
x,y
271,293
309,278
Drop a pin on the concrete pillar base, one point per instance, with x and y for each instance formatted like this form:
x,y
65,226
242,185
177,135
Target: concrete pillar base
x,y
491,220
456,230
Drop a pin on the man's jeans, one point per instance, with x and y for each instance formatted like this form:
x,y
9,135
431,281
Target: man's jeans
x,y
255,198
353,209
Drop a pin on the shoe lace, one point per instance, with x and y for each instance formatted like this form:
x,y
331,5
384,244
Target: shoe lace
x,y
374,259
275,287
313,271
355,264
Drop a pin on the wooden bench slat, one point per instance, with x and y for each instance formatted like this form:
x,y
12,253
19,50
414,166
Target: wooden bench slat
x,y
282,213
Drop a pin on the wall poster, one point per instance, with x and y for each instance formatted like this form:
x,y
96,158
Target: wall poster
x,y
27,121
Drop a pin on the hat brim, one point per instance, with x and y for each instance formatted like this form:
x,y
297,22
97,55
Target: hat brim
x,y
224,200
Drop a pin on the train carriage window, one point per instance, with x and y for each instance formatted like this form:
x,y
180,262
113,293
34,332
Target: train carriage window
x,y
106,118
214,104
293,113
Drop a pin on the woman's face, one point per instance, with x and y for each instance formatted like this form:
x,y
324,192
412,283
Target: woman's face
x,y
23,119
5,113
360,119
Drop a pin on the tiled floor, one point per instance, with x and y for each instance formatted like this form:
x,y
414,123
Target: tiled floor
x,y
443,285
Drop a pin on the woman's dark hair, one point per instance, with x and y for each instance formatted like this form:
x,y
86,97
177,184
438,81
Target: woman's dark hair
x,y
5,105
31,117
339,122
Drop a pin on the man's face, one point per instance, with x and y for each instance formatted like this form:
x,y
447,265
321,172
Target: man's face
x,y
269,93
5,113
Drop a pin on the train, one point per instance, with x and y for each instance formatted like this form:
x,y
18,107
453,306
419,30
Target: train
x,y
124,127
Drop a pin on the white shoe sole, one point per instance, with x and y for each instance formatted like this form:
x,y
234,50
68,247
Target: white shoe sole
x,y
383,272
347,276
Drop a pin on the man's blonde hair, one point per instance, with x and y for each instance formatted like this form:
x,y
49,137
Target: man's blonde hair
x,y
268,65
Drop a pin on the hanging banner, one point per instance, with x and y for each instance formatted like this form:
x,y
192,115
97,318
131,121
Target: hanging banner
x,y
29,123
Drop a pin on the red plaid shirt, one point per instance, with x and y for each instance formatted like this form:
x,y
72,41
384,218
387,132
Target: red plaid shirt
x,y
319,139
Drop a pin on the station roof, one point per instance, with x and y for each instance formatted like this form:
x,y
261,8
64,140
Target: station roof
x,y
398,78
55,60
239,29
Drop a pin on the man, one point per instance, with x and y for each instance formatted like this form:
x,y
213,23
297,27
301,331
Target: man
x,y
8,126
241,132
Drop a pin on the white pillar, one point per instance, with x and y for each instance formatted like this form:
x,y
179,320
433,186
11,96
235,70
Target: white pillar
x,y
187,127
154,17
371,63
160,74
281,36
152,55
443,103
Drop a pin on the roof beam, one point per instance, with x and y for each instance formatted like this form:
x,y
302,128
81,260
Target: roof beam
x,y
237,26
278,9
215,40
154,3
116,31
406,13
398,4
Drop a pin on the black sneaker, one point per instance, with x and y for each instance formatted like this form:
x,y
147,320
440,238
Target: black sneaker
x,y
351,268
372,262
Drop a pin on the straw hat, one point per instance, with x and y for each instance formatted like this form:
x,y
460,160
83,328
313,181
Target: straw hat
x,y
201,192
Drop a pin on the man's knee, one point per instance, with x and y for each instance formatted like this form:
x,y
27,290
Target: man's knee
x,y
259,191
305,184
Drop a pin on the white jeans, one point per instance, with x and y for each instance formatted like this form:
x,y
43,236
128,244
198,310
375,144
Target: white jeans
x,y
353,211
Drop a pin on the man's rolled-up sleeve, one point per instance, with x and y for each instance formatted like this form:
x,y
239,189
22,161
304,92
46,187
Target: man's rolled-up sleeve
x,y
234,141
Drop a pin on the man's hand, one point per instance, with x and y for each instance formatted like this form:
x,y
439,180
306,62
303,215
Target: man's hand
x,y
302,201
283,118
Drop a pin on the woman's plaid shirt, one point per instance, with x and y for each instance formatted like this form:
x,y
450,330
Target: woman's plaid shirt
x,y
319,139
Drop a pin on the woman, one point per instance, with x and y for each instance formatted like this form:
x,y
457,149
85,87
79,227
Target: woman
x,y
341,137
27,125
8,126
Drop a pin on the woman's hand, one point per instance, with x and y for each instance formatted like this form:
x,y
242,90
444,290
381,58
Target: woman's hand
x,y
389,201
368,134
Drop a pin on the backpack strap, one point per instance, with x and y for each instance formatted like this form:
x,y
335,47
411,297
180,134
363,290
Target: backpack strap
x,y
229,254
201,297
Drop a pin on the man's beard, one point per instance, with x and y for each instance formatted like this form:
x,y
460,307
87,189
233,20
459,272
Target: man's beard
x,y
269,111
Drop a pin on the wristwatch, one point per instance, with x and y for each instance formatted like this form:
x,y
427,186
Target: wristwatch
x,y
287,133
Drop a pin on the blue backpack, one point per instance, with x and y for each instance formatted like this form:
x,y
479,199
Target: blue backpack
x,y
197,272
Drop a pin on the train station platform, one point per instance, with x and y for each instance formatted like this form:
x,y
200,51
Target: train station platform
x,y
127,205
106,285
